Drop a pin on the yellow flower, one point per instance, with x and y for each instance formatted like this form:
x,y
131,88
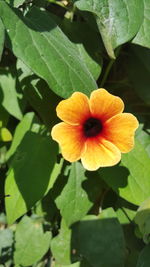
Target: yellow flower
x,y
94,130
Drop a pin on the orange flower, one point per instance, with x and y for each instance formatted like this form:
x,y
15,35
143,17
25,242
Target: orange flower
x,y
94,130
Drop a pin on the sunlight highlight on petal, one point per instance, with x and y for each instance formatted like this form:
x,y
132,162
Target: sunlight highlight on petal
x,y
120,131
75,109
105,105
100,154
70,139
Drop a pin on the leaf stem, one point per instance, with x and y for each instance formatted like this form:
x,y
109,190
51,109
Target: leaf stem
x,y
109,66
107,72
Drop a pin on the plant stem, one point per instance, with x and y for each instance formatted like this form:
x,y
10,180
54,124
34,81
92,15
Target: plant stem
x,y
107,72
109,66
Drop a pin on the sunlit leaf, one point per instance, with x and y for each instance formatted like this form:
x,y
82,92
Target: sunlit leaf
x,y
31,243
77,195
117,21
131,178
47,51
9,93
60,242
5,135
142,38
32,164
2,36
142,218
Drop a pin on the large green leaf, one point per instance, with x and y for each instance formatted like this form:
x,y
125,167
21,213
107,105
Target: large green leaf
x,y
9,97
133,245
43,100
60,245
144,257
77,195
142,37
131,178
47,51
99,240
139,71
34,163
37,93
90,52
94,239
118,21
2,36
31,243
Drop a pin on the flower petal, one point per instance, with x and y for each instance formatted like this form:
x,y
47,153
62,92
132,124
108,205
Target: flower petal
x,y
70,139
100,154
75,109
105,105
120,131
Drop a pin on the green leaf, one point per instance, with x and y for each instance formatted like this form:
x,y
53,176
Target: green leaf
x,y
76,264
144,258
55,173
144,139
43,100
118,21
142,218
90,52
5,135
9,95
22,70
133,245
131,178
15,3
6,239
31,243
4,117
61,241
33,164
26,124
47,51
79,194
6,245
139,71
138,164
2,37
125,215
37,93
100,241
142,38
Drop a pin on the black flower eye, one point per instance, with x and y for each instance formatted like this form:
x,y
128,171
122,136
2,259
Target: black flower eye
x,y
92,127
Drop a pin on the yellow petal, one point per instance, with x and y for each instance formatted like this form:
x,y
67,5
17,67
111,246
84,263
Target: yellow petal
x,y
70,139
120,131
105,105
99,154
75,109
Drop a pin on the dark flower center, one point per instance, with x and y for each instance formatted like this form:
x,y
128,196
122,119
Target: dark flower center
x,y
92,127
